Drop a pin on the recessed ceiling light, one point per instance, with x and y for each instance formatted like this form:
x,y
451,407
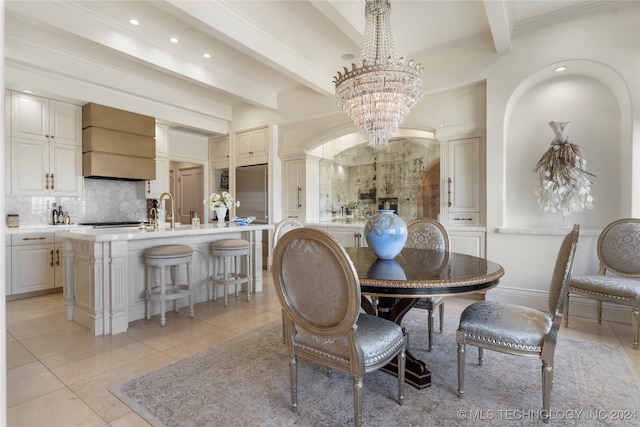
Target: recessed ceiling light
x,y
27,91
559,69
134,21
348,56
206,55
174,40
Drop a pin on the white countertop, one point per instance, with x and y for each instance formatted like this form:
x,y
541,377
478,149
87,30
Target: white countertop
x,y
133,233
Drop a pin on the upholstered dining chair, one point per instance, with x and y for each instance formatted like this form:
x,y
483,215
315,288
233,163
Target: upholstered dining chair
x,y
284,226
618,250
319,291
519,330
427,233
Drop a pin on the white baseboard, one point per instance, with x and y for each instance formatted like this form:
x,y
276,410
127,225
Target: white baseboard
x,y
578,306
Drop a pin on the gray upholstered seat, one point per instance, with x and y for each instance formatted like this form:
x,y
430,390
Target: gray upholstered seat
x,y
618,279
157,258
426,233
319,291
227,270
519,330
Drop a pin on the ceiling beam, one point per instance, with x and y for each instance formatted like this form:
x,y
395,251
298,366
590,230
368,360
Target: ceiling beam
x,y
499,24
219,20
77,19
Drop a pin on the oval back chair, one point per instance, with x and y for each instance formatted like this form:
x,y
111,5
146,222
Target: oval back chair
x,y
427,233
319,291
619,255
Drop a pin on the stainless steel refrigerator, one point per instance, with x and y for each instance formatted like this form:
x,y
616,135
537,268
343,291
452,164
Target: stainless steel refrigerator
x,y
252,191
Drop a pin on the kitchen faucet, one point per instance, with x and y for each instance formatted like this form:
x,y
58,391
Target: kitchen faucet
x,y
154,218
162,196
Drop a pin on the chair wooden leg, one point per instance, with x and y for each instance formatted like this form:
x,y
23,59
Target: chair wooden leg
x,y
462,356
293,362
566,312
357,401
430,329
480,355
402,362
547,384
441,317
635,321
599,310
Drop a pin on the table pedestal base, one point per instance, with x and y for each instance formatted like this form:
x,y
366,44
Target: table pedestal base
x,y
394,309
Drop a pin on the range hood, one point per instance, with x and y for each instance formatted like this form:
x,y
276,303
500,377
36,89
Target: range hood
x,y
117,144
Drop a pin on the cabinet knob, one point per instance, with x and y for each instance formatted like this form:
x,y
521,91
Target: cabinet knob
x,y
57,256
52,183
51,257
46,181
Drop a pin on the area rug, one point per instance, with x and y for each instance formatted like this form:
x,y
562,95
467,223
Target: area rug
x,y
245,382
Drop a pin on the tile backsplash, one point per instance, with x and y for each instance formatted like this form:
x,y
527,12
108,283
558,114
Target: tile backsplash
x,y
103,200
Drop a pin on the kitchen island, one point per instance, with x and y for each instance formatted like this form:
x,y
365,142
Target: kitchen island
x,y
104,269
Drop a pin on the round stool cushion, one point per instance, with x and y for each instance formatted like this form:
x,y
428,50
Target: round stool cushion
x,y
231,244
168,251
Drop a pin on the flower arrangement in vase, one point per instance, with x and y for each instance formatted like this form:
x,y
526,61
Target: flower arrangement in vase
x,y
220,203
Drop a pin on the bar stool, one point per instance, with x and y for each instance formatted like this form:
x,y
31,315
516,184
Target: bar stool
x,y
227,254
157,258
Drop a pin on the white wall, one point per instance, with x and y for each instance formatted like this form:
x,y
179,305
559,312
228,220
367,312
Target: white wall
x,y
600,95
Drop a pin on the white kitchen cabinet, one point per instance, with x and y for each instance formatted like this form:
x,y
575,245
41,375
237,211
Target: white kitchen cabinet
x,y
7,265
468,242
462,182
219,152
252,147
32,262
162,140
348,236
40,168
58,279
42,119
293,189
46,147
152,189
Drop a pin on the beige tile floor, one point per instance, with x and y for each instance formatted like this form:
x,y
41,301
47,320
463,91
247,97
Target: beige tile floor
x,y
59,375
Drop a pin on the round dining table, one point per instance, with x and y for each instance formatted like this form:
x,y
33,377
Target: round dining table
x,y
398,284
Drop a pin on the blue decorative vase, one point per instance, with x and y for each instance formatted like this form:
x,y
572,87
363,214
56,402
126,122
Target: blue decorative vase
x,y
386,269
386,234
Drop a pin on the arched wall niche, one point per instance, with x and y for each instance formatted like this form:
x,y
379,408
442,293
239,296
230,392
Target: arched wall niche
x,y
595,100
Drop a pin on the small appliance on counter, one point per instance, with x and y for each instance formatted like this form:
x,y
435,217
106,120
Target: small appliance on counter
x,y
13,220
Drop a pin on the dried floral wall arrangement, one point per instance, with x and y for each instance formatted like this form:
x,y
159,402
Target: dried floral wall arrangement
x,y
563,183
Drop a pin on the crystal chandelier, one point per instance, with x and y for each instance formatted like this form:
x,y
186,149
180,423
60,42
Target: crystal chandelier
x,y
379,94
